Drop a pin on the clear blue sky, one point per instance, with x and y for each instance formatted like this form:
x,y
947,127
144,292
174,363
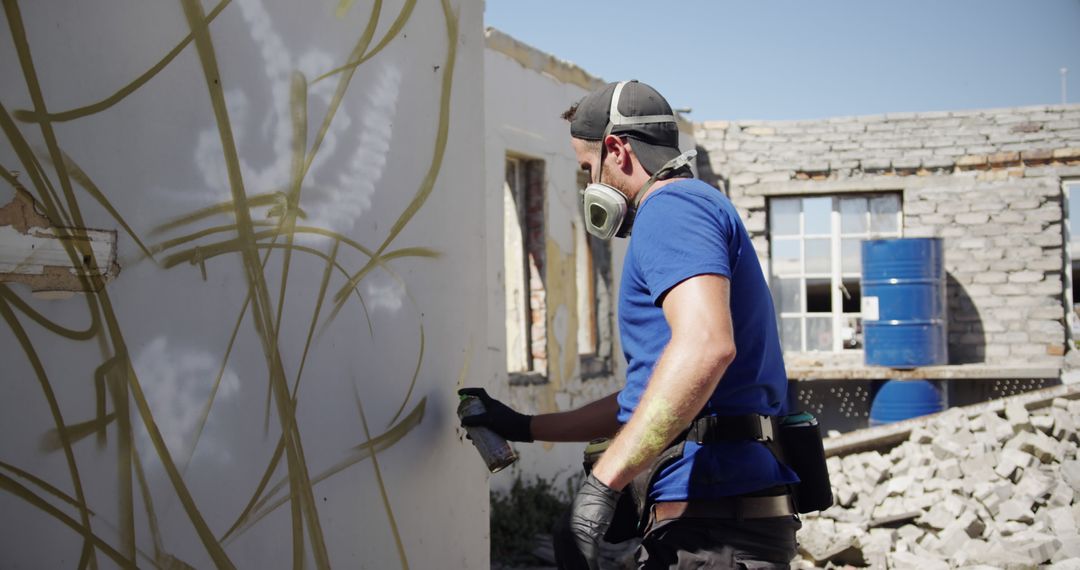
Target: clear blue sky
x,y
772,59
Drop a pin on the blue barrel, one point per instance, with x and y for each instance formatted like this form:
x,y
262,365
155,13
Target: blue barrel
x,y
904,399
903,302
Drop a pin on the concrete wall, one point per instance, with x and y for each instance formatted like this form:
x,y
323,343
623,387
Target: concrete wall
x,y
279,253
526,91
989,182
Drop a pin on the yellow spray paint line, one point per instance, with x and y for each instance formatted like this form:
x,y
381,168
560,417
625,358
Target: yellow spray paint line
x,y
463,374
287,223
382,486
204,416
257,495
22,48
343,85
43,485
256,499
51,441
61,495
54,408
257,200
32,167
80,177
172,243
148,503
18,304
256,281
343,8
315,317
210,251
15,488
442,133
359,57
361,452
416,374
62,116
116,380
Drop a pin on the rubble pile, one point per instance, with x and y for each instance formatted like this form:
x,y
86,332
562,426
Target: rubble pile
x,y
989,490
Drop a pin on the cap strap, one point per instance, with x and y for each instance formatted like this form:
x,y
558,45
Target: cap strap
x,y
615,118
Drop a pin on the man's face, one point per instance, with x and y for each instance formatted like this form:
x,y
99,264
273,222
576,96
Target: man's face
x,y
588,157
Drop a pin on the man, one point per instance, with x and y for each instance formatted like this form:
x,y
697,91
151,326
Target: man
x,y
698,330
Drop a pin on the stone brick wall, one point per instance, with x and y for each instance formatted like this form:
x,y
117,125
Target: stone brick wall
x,y
988,182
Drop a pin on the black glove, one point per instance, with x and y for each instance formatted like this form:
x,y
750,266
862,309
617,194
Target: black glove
x,y
590,516
498,417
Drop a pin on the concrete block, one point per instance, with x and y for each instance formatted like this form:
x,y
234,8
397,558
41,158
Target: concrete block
x,y
897,486
1062,495
949,469
1017,416
908,560
951,540
1070,473
1065,428
1060,521
1037,548
1043,422
1016,509
1012,460
920,435
1068,556
944,447
1033,485
1066,564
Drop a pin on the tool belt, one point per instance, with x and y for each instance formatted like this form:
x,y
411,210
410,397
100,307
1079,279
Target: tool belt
x,y
795,440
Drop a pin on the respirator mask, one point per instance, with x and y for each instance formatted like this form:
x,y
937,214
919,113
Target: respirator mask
x,y
607,212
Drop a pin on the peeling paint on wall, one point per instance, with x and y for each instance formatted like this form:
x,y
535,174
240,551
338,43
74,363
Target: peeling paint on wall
x,y
50,259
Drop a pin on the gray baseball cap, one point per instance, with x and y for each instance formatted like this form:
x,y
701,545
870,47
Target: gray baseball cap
x,y
642,115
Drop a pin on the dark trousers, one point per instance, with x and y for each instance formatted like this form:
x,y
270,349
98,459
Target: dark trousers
x,y
701,543
720,543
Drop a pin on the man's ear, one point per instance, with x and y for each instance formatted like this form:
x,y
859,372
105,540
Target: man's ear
x,y
621,151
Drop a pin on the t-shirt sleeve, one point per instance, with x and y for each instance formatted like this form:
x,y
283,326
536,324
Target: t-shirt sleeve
x,y
678,235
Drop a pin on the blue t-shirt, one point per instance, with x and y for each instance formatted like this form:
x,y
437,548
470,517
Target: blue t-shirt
x,y
684,229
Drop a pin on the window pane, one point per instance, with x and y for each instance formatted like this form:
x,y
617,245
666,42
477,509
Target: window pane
x,y
784,216
817,215
853,215
883,211
818,256
818,296
851,256
819,333
851,295
1074,220
851,333
786,259
791,334
787,295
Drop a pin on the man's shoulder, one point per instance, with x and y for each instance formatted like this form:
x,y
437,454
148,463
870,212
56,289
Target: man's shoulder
x,y
687,198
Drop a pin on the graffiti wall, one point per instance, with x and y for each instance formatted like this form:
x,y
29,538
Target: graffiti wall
x,y
239,284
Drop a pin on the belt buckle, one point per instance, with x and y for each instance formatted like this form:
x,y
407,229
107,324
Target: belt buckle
x,y
766,428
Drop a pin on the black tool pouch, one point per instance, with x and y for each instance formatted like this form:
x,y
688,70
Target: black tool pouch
x,y
801,449
624,523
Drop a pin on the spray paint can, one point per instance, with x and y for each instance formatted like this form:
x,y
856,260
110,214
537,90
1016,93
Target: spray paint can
x,y
495,450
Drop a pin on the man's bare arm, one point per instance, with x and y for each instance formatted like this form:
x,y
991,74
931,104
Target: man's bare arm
x,y
591,421
701,348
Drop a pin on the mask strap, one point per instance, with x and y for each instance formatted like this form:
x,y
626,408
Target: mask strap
x,y
669,166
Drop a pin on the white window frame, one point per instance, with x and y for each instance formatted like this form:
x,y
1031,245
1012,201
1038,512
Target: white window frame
x,y
1067,201
836,275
